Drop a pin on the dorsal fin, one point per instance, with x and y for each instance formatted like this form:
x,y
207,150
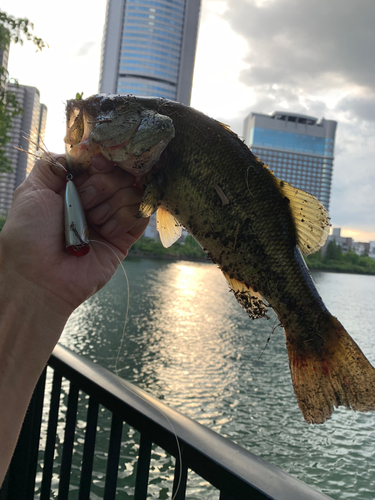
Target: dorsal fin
x,y
169,228
227,127
251,301
310,217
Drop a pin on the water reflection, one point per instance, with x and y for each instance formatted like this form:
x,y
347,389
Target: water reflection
x,y
189,342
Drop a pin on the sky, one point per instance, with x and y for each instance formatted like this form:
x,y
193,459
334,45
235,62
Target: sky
x,y
314,57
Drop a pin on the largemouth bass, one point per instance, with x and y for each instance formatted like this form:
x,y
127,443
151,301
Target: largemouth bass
x,y
198,174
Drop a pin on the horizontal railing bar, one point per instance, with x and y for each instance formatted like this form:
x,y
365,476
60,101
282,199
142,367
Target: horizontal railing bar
x,y
213,457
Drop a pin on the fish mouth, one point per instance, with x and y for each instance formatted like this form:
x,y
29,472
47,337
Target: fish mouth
x,y
133,140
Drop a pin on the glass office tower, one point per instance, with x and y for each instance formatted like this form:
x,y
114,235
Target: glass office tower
x,y
298,148
31,124
149,48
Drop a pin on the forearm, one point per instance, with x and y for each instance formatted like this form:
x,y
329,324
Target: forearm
x,y
29,330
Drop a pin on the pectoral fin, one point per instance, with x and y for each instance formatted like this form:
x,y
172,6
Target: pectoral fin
x,y
310,217
149,203
169,228
251,301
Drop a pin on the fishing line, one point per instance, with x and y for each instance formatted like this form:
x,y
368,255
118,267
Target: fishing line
x,y
116,369
268,340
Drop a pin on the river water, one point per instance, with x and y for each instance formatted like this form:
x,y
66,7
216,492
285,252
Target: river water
x,y
188,342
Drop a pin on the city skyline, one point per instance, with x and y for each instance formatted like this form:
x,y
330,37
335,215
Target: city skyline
x,y
252,55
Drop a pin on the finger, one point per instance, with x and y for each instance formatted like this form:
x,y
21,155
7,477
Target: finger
x,y
100,165
119,236
100,187
122,198
48,173
120,223
81,179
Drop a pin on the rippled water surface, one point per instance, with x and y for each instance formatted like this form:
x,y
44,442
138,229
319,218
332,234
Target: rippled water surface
x,y
188,342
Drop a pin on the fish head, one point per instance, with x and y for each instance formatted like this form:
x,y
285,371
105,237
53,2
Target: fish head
x,y
120,128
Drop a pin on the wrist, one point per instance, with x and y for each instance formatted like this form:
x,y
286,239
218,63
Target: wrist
x,y
30,323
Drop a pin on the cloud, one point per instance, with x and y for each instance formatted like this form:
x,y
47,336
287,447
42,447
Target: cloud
x,y
359,107
299,49
84,49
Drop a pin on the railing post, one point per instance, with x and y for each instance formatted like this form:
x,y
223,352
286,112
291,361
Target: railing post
x,y
20,480
113,458
67,451
49,450
143,468
180,476
88,450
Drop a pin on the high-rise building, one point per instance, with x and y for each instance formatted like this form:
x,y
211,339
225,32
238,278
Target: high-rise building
x,y
31,125
149,48
298,148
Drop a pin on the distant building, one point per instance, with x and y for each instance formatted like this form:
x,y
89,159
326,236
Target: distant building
x,y
32,125
371,252
298,148
151,231
149,47
361,248
346,244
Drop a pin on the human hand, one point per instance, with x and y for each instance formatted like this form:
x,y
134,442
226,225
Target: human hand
x,y
32,241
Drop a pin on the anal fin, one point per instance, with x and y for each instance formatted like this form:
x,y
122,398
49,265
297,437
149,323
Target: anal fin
x,y
169,228
251,301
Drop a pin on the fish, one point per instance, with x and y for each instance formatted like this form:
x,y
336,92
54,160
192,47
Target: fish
x,y
198,174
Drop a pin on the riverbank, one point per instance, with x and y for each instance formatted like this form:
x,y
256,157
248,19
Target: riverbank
x,y
333,261
148,247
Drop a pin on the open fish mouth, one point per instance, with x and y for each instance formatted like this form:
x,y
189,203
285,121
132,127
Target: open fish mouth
x,y
132,137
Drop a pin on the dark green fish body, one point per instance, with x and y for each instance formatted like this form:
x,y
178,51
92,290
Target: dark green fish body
x,y
252,225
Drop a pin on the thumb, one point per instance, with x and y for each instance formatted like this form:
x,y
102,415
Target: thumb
x,y
48,173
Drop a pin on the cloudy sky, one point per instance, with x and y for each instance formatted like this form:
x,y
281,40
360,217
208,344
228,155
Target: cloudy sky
x,y
314,57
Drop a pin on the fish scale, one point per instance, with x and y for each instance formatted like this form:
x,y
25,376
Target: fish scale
x,y
197,173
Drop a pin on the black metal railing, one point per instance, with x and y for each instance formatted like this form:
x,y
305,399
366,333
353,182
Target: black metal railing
x,y
232,471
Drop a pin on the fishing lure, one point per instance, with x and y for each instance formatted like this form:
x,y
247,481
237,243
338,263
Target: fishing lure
x,y
76,230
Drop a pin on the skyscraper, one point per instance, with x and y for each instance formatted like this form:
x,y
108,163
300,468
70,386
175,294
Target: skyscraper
x,y
31,125
298,148
149,48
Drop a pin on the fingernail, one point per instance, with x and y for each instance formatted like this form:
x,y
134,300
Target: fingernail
x,y
87,194
109,227
99,212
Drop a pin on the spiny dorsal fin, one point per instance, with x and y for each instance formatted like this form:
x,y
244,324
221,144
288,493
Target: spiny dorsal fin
x,y
168,227
227,127
310,217
251,301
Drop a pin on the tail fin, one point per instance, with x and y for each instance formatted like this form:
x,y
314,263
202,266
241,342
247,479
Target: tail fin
x,y
338,375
